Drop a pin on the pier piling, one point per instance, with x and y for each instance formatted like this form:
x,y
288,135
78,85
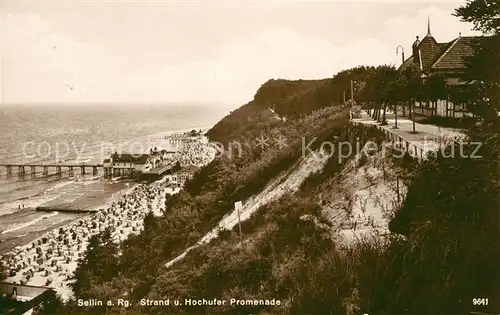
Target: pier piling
x,y
20,171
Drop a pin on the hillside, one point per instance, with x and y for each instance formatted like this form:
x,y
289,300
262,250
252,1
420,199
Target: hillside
x,y
291,99
318,229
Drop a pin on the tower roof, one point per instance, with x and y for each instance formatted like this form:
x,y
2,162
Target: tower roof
x,y
430,49
416,43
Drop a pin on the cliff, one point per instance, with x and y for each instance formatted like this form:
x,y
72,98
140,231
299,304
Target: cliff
x,y
315,221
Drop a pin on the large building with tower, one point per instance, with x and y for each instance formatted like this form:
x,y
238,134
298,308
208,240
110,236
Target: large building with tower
x,y
445,59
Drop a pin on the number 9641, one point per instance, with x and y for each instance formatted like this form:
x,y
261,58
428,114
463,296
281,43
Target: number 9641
x,y
479,301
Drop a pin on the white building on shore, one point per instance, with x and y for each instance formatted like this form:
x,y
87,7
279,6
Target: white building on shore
x,y
128,165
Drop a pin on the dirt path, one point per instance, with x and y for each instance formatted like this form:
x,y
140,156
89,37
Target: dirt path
x,y
405,128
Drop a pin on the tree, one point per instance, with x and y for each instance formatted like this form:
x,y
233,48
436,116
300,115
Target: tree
x,y
52,305
99,264
483,68
398,95
483,14
380,89
413,88
2,271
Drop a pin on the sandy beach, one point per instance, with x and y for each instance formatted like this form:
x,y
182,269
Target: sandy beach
x,y
50,259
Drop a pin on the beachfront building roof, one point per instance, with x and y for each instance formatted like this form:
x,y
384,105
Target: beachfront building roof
x,y
128,158
433,57
18,299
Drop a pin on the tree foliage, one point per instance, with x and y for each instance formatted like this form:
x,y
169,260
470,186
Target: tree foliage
x,y
483,68
435,88
484,15
98,265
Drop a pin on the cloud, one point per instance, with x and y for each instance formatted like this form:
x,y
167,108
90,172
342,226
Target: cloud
x,y
40,59
444,26
243,66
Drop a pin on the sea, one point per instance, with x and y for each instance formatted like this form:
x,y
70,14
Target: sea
x,y
77,133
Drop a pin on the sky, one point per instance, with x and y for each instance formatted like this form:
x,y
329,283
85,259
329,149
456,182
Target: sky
x,y
220,52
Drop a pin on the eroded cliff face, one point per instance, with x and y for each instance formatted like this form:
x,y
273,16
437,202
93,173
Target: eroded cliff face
x,y
358,199
285,183
365,197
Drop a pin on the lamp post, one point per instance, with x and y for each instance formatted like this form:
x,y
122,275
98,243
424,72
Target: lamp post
x,y
402,53
396,106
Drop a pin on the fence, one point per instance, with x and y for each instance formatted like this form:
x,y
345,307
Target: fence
x,y
398,141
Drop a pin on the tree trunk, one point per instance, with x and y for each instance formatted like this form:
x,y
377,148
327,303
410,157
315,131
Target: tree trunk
x,y
384,122
396,116
412,110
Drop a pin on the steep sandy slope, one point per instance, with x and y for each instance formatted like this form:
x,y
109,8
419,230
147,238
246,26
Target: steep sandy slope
x,y
364,198
285,184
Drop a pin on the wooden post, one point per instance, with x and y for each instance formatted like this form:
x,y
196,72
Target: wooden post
x,y
397,189
237,206
396,116
20,171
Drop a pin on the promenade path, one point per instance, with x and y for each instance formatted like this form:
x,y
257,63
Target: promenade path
x,y
427,137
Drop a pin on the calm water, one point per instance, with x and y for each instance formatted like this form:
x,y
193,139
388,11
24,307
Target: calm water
x,y
48,134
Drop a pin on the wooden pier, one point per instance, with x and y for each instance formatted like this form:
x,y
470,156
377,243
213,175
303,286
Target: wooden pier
x,y
43,169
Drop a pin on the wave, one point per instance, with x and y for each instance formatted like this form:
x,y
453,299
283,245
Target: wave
x,y
16,227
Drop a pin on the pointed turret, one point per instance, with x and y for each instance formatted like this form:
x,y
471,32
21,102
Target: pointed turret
x,y
429,27
428,47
